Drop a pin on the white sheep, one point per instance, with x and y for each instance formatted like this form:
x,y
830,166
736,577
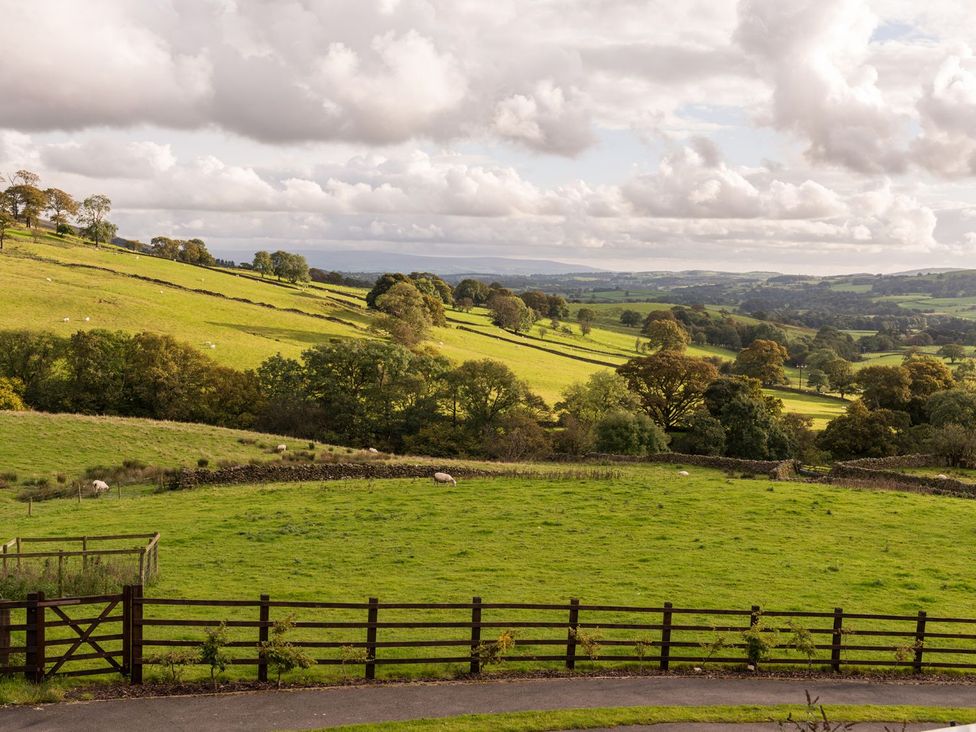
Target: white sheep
x,y
683,473
281,448
444,478
373,450
100,487
941,476
87,319
65,320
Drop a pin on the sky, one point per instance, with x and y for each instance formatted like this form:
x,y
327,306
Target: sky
x,y
815,136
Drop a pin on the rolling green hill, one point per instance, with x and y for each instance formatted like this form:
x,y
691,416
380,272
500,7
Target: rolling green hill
x,y
63,285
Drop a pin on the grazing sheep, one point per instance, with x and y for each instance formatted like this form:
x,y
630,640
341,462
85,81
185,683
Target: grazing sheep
x,y
940,476
87,319
65,320
281,448
444,478
373,450
683,473
100,487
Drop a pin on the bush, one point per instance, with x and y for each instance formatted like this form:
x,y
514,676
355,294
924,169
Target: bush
x,y
626,433
202,463
703,435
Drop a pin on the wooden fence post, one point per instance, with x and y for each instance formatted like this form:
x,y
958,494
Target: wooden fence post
x,y
4,560
571,634
666,637
919,641
836,638
135,659
475,635
371,638
84,552
126,630
35,660
4,638
142,566
264,616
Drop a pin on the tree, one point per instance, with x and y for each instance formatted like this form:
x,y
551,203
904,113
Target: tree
x,y
12,394
953,406
6,223
518,436
511,313
485,390
840,376
669,385
92,214
626,433
61,206
464,304
407,319
702,434
630,318
952,351
31,201
955,443
195,251
817,379
585,316
102,231
750,419
884,387
291,267
667,335
262,263
478,292
861,432
762,360
537,301
587,402
163,246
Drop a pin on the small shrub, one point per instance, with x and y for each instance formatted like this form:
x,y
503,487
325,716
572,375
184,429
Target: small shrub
x,y
815,719
9,476
132,464
492,652
713,647
802,641
246,440
352,655
589,641
213,653
61,478
281,655
175,662
311,446
760,639
202,463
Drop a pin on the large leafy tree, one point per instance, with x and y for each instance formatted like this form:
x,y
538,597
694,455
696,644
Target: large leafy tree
x,y
763,360
407,318
750,419
885,387
61,207
667,335
486,390
669,385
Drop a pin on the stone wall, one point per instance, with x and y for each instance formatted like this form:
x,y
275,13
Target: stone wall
x,y
881,472
778,469
295,472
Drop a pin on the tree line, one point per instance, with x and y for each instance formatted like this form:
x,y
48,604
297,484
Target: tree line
x,y
24,201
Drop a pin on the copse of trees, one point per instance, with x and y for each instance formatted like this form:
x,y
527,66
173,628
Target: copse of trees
x,y
24,201
191,251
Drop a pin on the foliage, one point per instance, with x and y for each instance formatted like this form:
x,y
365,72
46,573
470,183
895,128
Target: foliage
x,y
92,215
11,394
407,320
955,443
279,653
701,434
627,433
666,335
630,318
511,313
213,651
953,406
763,360
589,639
885,387
493,652
175,662
760,639
289,266
750,420
669,385
864,433
517,436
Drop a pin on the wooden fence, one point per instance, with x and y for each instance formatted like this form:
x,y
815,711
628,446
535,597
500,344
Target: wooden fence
x,y
12,552
123,633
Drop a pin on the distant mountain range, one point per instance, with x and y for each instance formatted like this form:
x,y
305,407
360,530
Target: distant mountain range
x,y
373,262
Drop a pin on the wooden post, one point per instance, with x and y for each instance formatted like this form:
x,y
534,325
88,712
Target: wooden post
x,y
371,638
84,552
4,560
135,659
142,566
836,638
4,638
919,641
155,570
126,630
666,637
35,659
571,634
30,507
754,614
60,572
475,635
18,552
264,615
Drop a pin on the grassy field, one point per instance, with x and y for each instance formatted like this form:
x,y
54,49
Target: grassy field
x,y
34,444
52,279
706,540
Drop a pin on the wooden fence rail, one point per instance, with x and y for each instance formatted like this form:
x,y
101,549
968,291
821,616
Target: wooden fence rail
x,y
12,552
123,633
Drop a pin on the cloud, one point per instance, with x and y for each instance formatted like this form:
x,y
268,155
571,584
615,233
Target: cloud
x,y
102,157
